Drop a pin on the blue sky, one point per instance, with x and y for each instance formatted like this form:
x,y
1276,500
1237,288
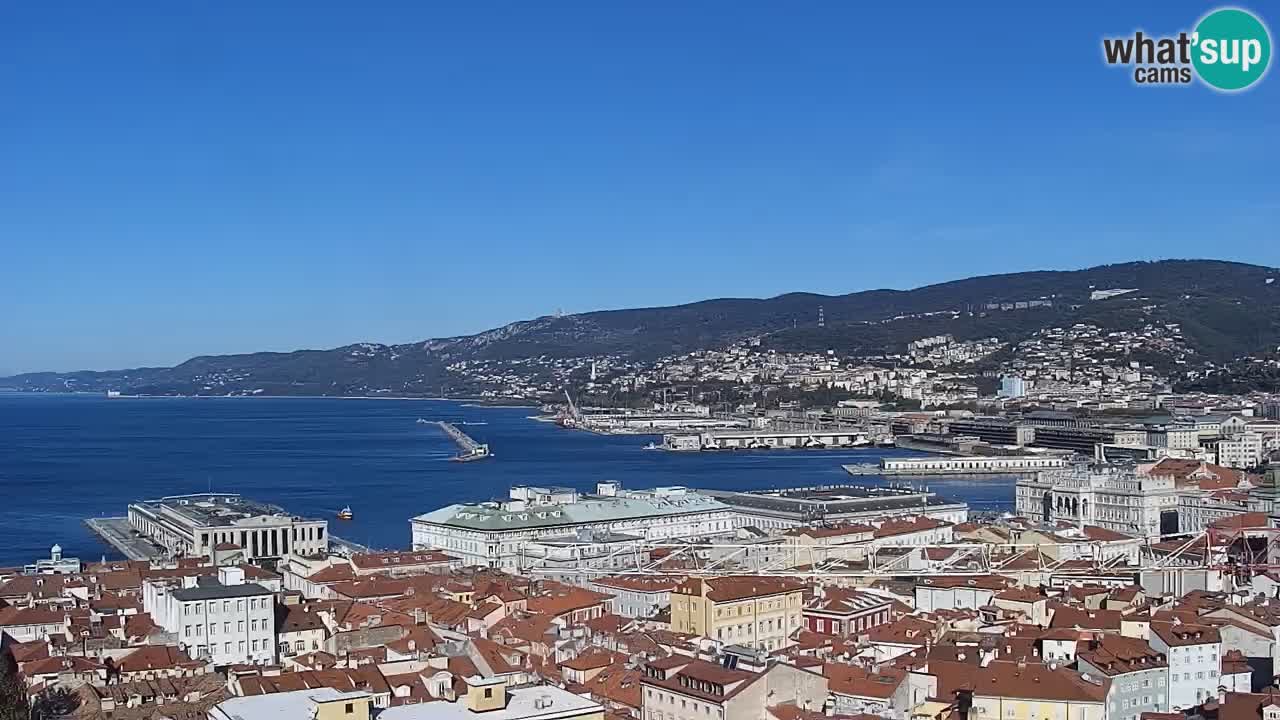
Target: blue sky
x,y
190,178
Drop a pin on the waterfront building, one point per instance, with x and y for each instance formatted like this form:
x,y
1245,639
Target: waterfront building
x,y
229,526
836,504
753,611
495,534
220,618
1114,498
973,464
55,564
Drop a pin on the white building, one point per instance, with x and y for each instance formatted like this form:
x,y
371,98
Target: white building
x,y
222,619
1194,656
495,534
1113,498
1241,451
1012,387
241,530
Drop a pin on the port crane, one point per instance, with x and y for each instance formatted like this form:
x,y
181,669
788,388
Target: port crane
x,y
573,416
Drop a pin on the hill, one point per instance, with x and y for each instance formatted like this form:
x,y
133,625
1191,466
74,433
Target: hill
x,y
1225,310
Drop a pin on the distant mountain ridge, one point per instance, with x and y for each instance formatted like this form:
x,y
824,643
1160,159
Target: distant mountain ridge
x,y
1226,309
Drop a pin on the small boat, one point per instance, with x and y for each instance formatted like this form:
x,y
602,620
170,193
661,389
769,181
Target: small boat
x,y
652,446
423,421
345,513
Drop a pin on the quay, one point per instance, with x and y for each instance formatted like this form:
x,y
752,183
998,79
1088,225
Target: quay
x,y
966,465
768,440
470,449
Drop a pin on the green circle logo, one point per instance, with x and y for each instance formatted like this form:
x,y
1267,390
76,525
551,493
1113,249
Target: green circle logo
x,y
1232,49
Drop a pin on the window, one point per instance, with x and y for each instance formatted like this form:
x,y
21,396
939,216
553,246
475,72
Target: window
x,y
226,648
351,707
240,626
488,692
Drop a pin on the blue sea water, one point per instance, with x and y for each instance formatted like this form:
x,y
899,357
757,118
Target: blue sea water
x,y
64,458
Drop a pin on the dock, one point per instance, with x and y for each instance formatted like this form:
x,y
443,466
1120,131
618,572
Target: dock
x,y
468,448
119,534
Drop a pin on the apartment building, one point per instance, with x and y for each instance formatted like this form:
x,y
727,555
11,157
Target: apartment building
x,y
681,688
757,612
222,619
1139,674
1194,656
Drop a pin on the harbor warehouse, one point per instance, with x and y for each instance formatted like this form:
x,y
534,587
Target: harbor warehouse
x,y
492,533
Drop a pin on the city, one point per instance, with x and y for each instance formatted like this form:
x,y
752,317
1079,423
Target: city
x,y
639,361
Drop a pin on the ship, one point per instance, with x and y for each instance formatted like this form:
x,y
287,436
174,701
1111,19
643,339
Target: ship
x,y
345,513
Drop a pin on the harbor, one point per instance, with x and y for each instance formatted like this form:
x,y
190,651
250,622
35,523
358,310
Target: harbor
x,y
469,449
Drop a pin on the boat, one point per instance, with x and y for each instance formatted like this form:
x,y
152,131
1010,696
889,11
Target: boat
x,y
652,446
423,421
345,513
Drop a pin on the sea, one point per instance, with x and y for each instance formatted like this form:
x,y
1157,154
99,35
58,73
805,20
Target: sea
x,y
65,458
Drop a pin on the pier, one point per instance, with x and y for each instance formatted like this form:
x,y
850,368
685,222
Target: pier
x,y
470,449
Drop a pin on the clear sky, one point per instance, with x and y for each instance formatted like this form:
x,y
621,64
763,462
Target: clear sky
x,y
182,178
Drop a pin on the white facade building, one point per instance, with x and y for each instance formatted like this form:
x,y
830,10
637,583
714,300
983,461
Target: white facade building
x,y
495,534
222,619
1115,499
1241,451
1194,655
242,530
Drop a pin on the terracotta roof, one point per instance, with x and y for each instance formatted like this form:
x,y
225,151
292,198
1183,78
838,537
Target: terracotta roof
x,y
392,560
155,657
637,583
859,682
738,587
591,659
1035,681
1183,634
1115,655
366,677
566,599
13,616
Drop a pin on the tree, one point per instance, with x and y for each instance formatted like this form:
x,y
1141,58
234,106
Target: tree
x,y
13,691
58,702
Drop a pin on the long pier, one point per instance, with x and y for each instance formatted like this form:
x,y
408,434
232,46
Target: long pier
x,y
470,449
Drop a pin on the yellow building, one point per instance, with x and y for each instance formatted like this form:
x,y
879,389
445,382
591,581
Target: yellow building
x,y
1007,690
759,612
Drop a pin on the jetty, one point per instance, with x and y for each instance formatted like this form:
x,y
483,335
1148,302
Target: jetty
x,y
468,447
